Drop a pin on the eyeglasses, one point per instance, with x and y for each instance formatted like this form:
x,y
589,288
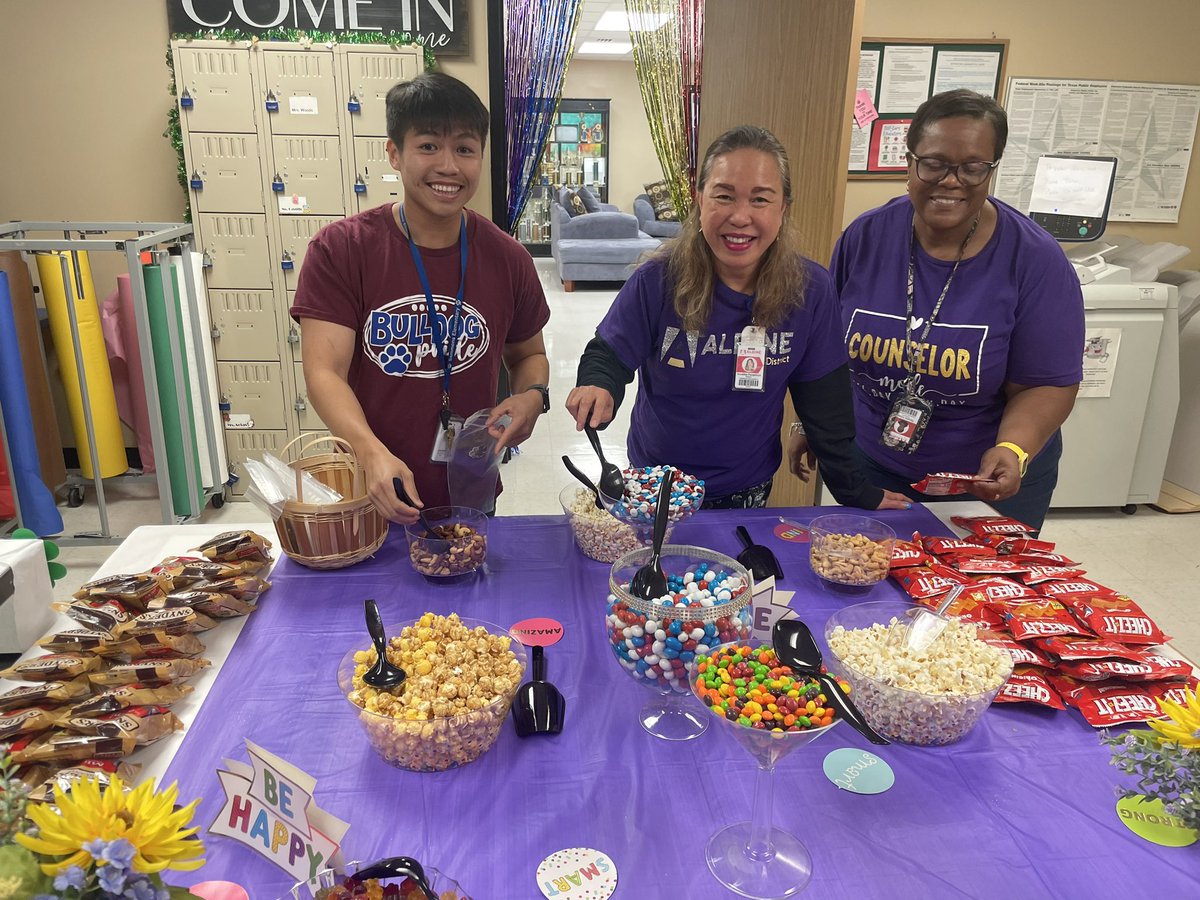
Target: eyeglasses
x,y
933,171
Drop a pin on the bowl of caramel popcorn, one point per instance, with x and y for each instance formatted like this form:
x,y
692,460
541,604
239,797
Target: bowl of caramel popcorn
x,y
456,547
462,676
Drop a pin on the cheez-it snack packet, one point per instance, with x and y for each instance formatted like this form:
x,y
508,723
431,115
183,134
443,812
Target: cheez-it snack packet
x,y
1116,617
945,484
1029,685
1005,525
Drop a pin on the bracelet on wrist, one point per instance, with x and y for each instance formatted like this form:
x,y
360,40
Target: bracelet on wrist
x,y
797,427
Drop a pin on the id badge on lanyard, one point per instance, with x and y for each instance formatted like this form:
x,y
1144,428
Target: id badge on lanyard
x,y
750,359
907,420
443,438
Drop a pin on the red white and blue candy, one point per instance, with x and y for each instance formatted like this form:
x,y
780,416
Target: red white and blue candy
x,y
640,501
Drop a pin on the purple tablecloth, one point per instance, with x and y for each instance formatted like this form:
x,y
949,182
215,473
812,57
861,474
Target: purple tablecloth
x,y
1023,807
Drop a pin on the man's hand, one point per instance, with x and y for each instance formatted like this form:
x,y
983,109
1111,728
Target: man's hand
x,y
1002,470
590,405
801,459
380,469
523,409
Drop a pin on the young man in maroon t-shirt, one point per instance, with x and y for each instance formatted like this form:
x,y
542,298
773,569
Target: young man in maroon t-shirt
x,y
406,311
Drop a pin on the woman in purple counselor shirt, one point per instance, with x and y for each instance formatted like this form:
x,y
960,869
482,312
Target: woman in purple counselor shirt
x,y
718,324
963,321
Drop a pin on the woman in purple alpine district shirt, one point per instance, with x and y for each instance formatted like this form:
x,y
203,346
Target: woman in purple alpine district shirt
x,y
734,278
988,339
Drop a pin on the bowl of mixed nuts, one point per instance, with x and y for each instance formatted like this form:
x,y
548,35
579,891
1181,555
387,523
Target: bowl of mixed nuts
x,y
850,554
456,546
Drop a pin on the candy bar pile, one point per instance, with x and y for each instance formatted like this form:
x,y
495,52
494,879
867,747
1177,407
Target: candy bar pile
x,y
105,688
1074,642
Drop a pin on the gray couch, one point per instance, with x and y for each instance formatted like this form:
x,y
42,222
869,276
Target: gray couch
x,y
599,246
648,223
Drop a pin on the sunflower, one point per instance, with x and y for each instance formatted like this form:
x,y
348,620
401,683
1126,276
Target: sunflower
x,y
1182,722
148,821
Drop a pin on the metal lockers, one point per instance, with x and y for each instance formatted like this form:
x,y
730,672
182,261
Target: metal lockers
x,y
215,89
306,416
237,247
309,169
300,95
371,75
381,182
295,233
244,325
254,390
243,445
226,173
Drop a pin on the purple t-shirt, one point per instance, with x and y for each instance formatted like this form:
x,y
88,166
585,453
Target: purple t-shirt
x,y
687,413
1014,313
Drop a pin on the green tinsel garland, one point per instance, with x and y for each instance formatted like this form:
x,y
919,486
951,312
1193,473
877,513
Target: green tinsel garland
x,y
174,132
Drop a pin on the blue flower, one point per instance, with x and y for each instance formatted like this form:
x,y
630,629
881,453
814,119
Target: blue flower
x,y
111,878
72,878
96,848
120,854
139,887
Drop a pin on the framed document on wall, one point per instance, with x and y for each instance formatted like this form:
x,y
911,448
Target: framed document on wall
x,y
895,76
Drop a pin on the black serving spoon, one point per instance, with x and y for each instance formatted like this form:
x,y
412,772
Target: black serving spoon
x,y
397,867
650,582
539,707
611,483
383,674
794,647
584,480
758,558
436,544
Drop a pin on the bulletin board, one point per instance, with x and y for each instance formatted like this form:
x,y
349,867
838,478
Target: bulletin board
x,y
895,76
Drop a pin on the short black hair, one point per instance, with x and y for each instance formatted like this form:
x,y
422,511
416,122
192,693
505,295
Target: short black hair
x,y
956,103
434,102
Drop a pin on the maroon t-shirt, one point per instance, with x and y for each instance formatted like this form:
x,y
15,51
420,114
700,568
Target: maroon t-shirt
x,y
359,273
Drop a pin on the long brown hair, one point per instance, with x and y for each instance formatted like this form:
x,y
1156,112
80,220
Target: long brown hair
x,y
779,286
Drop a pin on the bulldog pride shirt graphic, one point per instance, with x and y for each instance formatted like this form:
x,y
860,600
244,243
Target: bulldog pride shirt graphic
x,y
398,337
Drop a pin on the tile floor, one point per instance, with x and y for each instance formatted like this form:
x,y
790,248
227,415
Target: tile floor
x,y
1152,556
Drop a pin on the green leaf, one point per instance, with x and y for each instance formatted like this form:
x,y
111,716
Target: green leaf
x,y
20,875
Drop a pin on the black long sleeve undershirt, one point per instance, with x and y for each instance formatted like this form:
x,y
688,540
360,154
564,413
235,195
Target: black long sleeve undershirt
x,y
601,367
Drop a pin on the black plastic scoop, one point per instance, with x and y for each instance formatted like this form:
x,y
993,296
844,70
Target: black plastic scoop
x,y
436,544
539,708
758,558
383,674
795,648
584,480
611,483
650,582
396,867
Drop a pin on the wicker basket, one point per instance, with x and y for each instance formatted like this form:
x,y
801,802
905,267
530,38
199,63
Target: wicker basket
x,y
330,535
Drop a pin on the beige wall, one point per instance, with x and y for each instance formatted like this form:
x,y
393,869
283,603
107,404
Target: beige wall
x,y
1154,40
631,159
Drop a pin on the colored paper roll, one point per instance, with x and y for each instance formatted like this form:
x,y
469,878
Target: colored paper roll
x,y
125,360
178,434
37,385
217,423
38,512
110,445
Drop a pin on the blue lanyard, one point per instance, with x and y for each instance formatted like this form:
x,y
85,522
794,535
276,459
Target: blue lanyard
x,y
446,351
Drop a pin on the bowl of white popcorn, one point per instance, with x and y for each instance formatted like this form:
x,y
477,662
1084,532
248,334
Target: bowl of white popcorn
x,y
928,697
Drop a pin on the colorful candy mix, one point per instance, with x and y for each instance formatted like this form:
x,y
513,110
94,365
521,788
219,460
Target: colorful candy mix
x,y
749,686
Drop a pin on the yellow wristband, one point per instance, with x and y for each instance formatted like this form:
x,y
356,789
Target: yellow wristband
x,y
1022,456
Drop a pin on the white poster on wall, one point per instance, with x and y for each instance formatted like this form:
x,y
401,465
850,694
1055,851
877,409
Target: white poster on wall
x,y
1100,349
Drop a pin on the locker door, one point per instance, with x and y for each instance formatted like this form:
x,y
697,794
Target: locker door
x,y
372,75
296,232
243,445
229,172
237,246
371,164
244,323
301,82
218,83
254,392
305,414
310,169
293,335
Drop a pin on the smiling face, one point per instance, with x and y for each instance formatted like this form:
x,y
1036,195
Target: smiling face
x,y
741,211
440,173
945,211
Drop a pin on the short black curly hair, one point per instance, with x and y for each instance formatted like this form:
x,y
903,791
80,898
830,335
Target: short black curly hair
x,y
434,102
956,103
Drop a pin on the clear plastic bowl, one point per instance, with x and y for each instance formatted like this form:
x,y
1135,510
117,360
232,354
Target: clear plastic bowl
x,y
633,623
467,551
850,554
901,714
642,520
322,886
439,743
598,534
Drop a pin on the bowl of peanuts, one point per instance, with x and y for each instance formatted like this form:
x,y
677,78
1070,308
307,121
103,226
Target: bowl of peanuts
x,y
850,554
462,677
456,547
598,534
928,697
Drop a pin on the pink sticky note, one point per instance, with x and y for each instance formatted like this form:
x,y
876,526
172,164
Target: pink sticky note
x,y
219,890
864,110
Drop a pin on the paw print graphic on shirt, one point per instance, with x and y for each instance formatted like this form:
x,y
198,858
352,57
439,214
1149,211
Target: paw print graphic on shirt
x,y
395,359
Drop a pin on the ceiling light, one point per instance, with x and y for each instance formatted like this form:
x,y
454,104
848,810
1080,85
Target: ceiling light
x,y
618,20
609,48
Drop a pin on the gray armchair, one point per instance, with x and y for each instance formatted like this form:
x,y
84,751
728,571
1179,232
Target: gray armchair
x,y
648,223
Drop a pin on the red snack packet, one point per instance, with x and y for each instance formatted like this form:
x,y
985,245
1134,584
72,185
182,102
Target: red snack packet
x,y
944,484
1028,685
1173,690
1068,688
925,582
1038,574
1151,667
1076,588
1042,618
1003,525
1024,654
967,607
1072,649
906,554
1037,557
1116,704
1002,594
1116,617
987,566
946,547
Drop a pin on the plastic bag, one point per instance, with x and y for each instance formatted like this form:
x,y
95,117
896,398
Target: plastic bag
x,y
273,482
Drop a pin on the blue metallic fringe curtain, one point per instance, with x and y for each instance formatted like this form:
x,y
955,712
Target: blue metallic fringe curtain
x,y
539,39
667,57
